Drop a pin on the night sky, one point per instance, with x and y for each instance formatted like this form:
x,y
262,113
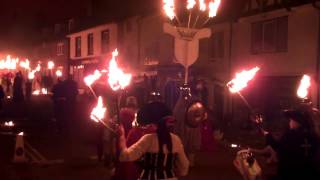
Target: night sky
x,y
21,20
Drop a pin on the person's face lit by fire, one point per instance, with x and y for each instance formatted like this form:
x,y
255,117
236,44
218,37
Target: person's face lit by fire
x,y
293,124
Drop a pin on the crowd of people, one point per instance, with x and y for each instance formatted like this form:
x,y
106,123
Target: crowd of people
x,y
155,142
151,141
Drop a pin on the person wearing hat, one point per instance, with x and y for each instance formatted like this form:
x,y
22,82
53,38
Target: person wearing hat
x,y
162,151
297,148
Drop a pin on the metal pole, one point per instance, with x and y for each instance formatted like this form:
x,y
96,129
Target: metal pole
x,y
245,101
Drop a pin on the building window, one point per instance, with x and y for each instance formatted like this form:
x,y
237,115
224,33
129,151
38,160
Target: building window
x,y
216,46
270,36
60,49
90,44
78,46
105,41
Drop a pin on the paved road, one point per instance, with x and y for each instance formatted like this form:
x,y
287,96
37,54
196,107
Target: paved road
x,y
78,145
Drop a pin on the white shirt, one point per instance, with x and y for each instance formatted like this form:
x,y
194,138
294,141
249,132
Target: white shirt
x,y
149,144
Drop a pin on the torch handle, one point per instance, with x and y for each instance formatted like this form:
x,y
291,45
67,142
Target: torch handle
x,y
94,94
245,101
190,15
105,125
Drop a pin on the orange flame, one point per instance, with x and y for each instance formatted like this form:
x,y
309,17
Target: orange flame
x,y
44,91
90,79
241,80
168,7
36,92
98,112
191,4
9,124
9,63
213,8
25,64
38,68
202,5
50,65
21,134
117,78
58,73
31,75
304,86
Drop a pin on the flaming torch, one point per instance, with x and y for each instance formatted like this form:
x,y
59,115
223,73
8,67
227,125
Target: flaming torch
x,y
99,112
25,64
168,8
50,65
187,38
241,81
190,5
304,86
213,9
59,73
118,80
90,79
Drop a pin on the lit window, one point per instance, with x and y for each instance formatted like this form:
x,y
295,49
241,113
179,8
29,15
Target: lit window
x,y
60,49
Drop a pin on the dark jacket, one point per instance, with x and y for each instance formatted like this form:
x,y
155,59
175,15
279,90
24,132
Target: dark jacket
x,y
296,152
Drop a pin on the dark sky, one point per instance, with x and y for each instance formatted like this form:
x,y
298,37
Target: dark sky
x,y
21,20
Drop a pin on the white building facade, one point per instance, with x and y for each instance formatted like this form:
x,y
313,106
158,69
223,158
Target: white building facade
x,y
90,48
283,41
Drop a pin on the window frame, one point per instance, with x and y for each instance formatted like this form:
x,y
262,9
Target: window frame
x,y
105,43
60,49
78,46
90,41
259,43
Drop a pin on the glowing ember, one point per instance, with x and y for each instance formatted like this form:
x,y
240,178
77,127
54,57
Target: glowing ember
x,y
50,65
241,80
98,112
58,73
191,4
90,79
21,134
213,8
202,5
117,78
304,86
25,64
168,7
9,124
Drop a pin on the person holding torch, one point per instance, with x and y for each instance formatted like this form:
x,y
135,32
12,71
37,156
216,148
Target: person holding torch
x,y
296,150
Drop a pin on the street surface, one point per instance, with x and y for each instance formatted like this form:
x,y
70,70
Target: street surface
x,y
76,151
